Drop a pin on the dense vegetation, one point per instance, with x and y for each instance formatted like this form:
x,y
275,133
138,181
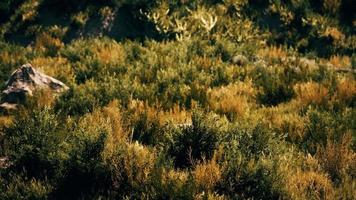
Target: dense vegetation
x,y
177,99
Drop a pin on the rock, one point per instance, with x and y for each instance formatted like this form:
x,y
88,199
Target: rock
x,y
23,82
240,60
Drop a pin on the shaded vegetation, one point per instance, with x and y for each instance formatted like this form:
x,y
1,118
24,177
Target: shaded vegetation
x,y
218,99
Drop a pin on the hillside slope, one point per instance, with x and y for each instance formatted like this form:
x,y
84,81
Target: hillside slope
x,y
215,99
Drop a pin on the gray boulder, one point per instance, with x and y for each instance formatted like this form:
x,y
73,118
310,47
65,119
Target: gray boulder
x,y
23,82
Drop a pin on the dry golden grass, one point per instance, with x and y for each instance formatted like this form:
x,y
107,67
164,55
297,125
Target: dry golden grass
x,y
311,93
109,53
340,61
310,185
138,163
207,174
176,114
336,158
345,91
286,122
235,98
45,42
273,52
5,121
112,114
334,33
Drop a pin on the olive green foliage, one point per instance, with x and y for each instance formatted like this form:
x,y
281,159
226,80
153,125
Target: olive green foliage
x,y
218,99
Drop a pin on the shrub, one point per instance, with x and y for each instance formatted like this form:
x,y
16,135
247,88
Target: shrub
x,y
311,185
275,87
312,93
336,158
173,184
79,99
37,143
332,6
207,175
48,44
245,179
195,142
5,122
252,161
79,20
345,94
233,99
20,187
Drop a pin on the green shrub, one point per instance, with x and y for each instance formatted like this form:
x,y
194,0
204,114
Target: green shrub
x,y
37,143
21,187
196,141
276,87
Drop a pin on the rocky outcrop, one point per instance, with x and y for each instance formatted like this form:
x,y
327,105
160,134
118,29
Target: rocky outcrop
x,y
23,82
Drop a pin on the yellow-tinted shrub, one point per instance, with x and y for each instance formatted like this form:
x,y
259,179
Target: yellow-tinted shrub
x,y
347,188
28,10
339,61
41,99
273,53
311,93
207,174
46,43
110,53
138,163
235,99
176,114
334,33
210,196
286,122
337,157
26,188
345,92
57,67
80,19
108,117
5,121
310,185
